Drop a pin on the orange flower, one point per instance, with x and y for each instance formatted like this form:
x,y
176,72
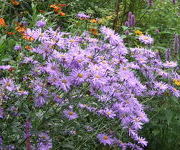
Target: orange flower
x,y
28,47
20,29
56,7
61,14
28,38
93,31
93,21
14,2
2,22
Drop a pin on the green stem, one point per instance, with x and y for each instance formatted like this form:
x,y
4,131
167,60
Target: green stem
x,y
2,10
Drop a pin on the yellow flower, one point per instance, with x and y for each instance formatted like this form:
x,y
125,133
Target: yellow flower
x,y
176,82
138,32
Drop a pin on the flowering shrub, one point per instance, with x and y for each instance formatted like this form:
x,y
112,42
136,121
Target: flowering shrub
x,y
65,81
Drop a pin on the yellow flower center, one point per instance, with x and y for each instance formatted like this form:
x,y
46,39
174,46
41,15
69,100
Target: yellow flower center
x,y
146,38
8,84
64,81
59,96
97,76
90,57
70,113
108,112
124,68
80,75
105,137
71,41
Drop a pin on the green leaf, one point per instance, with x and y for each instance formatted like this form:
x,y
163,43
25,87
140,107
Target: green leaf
x,y
69,145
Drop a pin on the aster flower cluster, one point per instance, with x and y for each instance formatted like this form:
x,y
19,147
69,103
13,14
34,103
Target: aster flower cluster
x,y
66,67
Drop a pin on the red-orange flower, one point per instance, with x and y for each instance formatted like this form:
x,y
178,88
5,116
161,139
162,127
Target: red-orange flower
x,y
10,33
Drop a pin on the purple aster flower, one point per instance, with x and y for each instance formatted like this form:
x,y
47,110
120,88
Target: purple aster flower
x,y
8,84
24,23
82,16
170,64
40,100
65,83
78,76
22,92
1,113
161,86
1,140
105,139
142,141
35,34
52,68
58,99
146,39
109,113
30,60
6,67
17,47
137,124
41,23
70,114
44,142
13,110
89,128
107,31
